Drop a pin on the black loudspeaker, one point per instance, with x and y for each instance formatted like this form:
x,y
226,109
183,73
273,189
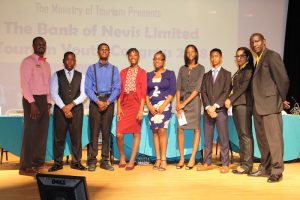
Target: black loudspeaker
x,y
61,187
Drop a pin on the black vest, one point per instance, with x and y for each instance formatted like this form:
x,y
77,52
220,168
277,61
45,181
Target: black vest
x,y
68,91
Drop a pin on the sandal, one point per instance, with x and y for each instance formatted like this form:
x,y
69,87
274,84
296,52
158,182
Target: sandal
x,y
162,168
155,166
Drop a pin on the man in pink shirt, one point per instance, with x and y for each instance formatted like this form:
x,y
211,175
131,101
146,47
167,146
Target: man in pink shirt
x,y
35,83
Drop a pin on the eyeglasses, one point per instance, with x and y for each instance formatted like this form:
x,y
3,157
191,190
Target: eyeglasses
x,y
240,56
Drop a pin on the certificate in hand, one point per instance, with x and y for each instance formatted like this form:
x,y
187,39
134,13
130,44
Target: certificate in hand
x,y
181,119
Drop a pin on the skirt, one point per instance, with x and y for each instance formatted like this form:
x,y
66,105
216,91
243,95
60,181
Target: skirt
x,y
160,120
130,107
192,113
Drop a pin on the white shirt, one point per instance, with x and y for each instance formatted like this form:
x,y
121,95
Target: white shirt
x,y
54,89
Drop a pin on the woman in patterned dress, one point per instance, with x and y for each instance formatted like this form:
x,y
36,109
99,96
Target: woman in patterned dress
x,y
188,100
161,90
131,106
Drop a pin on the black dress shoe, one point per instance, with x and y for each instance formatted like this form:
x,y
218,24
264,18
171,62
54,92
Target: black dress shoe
x,y
92,167
78,166
235,171
55,168
273,178
106,166
259,173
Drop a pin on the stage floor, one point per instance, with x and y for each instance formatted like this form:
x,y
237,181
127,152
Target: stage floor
x,y
145,183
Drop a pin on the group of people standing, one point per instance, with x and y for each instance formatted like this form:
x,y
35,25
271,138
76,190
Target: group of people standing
x,y
259,90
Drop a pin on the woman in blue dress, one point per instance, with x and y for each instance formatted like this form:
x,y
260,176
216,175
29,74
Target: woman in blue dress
x,y
161,90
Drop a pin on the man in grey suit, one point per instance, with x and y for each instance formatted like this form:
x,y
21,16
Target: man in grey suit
x,y
214,91
270,85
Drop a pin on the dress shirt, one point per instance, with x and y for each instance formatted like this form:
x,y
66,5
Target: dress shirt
x,y
104,74
35,77
54,89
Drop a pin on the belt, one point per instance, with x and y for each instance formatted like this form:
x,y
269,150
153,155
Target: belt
x,y
103,95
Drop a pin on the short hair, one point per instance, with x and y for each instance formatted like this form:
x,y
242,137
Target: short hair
x,y
132,50
248,54
186,60
257,34
161,53
215,50
103,44
69,53
37,38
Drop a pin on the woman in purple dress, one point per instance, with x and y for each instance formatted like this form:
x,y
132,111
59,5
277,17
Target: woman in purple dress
x,y
161,90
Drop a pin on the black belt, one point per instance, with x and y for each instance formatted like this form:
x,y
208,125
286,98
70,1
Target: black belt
x,y
102,95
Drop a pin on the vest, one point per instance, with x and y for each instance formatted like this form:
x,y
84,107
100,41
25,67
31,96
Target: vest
x,y
68,91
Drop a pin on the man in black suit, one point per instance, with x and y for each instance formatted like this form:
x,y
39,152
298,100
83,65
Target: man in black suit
x,y
270,85
215,89
67,90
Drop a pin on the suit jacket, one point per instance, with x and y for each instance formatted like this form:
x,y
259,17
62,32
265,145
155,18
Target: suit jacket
x,y
241,86
141,83
217,92
270,83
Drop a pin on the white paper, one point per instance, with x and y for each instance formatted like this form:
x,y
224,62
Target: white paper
x,y
182,120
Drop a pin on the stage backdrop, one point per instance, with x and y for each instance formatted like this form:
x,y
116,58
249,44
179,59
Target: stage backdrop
x,y
167,25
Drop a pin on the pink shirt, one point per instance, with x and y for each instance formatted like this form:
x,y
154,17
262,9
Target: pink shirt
x,y
35,77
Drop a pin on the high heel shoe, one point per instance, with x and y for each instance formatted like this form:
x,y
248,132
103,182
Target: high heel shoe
x,y
178,166
162,168
155,166
187,167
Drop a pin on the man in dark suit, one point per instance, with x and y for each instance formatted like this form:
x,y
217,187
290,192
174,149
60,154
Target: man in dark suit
x,y
67,90
270,85
215,89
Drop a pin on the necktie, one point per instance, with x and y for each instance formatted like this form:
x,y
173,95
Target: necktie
x,y
69,77
214,73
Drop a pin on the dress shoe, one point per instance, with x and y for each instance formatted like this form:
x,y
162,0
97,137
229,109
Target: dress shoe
x,y
55,168
240,170
91,167
106,166
78,166
224,169
273,178
259,173
27,172
204,167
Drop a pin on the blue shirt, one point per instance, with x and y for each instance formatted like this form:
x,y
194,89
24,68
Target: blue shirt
x,y
104,75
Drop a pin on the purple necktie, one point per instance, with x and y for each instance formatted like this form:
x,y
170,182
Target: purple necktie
x,y
214,74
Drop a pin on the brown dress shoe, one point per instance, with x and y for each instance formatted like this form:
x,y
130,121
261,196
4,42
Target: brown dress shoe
x,y
41,169
224,169
204,167
27,172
